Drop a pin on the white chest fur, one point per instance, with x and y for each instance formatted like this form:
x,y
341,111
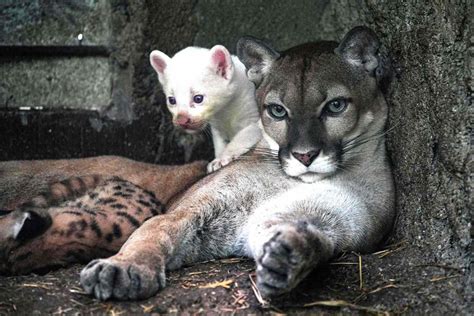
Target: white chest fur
x,y
305,199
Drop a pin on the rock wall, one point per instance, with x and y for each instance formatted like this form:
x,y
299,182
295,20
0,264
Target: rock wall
x,y
431,114
430,124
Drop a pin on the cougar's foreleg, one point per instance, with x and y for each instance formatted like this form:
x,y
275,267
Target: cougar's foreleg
x,y
187,234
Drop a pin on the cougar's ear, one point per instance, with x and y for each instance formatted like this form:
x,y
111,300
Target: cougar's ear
x,y
159,61
221,62
361,47
257,57
24,225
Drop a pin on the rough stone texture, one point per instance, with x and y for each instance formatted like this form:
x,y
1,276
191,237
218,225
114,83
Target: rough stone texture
x,y
130,86
47,82
283,23
55,81
430,115
54,22
430,123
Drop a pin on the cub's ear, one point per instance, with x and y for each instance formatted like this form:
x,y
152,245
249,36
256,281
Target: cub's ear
x,y
221,62
24,225
257,57
361,47
159,61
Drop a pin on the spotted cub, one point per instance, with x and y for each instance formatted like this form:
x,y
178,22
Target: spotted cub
x,y
57,212
79,219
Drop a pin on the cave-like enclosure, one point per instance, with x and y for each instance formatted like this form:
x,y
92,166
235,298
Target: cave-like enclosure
x,y
75,82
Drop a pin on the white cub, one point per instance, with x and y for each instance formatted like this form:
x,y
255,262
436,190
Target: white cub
x,y
210,87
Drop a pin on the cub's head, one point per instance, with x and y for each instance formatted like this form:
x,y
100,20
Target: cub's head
x,y
17,228
319,102
197,83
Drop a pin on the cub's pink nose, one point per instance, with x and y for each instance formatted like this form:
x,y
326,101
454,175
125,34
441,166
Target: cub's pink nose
x,y
306,158
183,120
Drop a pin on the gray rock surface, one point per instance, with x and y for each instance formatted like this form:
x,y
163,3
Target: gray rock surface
x,y
430,123
73,83
431,114
55,22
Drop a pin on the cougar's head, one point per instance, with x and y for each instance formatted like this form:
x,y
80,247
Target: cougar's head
x,y
319,102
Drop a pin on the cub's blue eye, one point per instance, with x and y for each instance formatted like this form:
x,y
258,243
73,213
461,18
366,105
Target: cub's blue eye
x,y
198,98
172,100
335,107
277,111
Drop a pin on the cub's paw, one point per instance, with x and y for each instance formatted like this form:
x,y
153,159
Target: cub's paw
x,y
109,278
286,259
218,163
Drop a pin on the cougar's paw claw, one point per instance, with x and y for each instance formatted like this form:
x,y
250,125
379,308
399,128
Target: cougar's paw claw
x,y
281,264
107,278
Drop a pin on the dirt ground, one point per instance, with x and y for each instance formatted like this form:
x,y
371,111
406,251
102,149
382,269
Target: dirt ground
x,y
386,282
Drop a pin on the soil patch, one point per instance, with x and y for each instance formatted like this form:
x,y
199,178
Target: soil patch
x,y
386,282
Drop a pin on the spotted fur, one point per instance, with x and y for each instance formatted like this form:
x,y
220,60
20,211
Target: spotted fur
x,y
81,218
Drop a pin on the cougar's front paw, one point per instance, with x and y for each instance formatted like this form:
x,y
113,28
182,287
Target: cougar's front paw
x,y
109,278
285,261
218,163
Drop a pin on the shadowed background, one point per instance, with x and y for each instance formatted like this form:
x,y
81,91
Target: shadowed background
x,y
62,97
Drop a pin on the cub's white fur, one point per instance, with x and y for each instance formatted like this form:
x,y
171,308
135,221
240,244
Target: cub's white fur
x,y
210,87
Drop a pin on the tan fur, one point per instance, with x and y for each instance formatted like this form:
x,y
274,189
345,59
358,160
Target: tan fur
x,y
83,216
272,205
289,216
22,180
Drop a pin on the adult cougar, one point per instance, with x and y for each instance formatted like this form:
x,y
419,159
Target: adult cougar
x,y
318,183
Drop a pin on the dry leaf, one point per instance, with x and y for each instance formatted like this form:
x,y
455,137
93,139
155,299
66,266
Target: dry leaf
x,y
225,284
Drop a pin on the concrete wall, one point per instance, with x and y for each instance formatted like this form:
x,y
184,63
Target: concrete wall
x,y
55,80
52,22
430,100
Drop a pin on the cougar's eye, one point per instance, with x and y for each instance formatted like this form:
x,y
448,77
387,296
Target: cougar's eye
x,y
172,100
198,98
335,107
277,111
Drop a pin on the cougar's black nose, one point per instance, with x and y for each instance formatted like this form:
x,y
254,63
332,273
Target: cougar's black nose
x,y
306,158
